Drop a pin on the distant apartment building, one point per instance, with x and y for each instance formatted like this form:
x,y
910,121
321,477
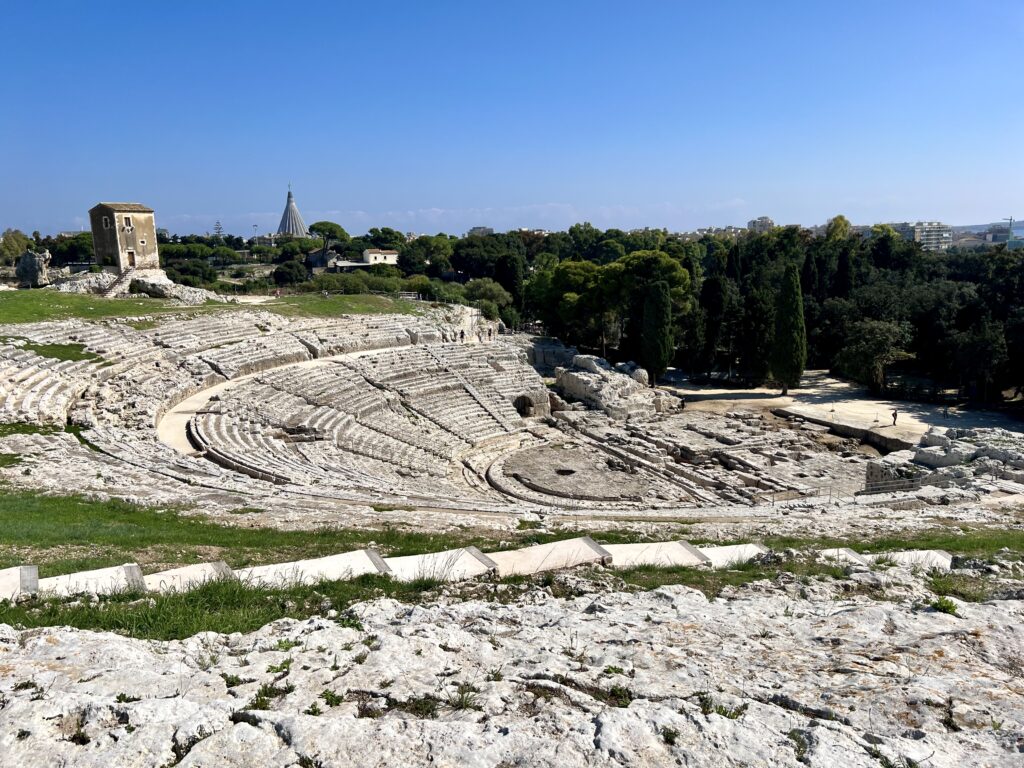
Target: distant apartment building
x,y
124,236
760,225
480,231
933,235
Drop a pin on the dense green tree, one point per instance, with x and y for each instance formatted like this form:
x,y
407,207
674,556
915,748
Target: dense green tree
x,y
289,273
789,348
873,345
837,229
386,238
658,345
486,289
329,232
13,244
755,337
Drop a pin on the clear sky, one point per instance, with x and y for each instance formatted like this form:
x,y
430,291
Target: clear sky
x,y
440,115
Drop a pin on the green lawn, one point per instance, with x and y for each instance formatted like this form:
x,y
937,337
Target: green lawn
x,y
63,534
318,305
56,351
32,306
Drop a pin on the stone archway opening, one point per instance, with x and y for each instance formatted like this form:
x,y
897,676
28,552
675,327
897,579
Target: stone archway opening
x,y
524,406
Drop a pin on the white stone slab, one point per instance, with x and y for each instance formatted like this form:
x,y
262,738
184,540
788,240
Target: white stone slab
x,y
732,554
17,581
103,581
662,553
920,558
549,557
187,577
347,565
450,565
843,555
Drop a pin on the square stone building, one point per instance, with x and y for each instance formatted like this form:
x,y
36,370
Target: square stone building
x,y
124,236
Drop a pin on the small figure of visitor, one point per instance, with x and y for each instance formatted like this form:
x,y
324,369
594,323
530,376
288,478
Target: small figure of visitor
x,y
945,411
462,336
894,414
490,331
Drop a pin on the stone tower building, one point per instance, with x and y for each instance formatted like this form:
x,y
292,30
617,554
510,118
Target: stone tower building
x,y
124,236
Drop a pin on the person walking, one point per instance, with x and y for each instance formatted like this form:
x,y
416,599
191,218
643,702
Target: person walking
x,y
894,414
462,336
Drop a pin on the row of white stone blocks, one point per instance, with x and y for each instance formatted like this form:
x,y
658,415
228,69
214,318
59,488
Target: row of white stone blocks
x,y
450,565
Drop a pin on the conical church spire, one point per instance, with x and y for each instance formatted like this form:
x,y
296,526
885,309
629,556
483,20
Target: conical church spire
x,y
291,219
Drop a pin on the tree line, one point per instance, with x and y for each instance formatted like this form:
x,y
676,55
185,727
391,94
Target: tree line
x,y
756,309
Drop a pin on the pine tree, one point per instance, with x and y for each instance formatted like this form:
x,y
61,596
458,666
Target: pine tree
x,y
657,343
789,351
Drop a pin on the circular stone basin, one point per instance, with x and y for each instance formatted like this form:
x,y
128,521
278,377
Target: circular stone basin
x,y
575,472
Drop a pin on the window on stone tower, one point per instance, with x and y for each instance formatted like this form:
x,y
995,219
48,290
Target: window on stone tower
x,y
106,222
128,222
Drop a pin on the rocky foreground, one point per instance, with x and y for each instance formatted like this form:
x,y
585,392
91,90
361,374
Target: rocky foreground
x,y
775,673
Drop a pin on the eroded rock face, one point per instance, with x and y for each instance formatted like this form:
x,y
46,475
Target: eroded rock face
x,y
155,283
621,392
774,672
32,269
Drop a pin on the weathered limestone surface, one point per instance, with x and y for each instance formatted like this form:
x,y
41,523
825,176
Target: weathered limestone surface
x,y
620,392
773,674
32,269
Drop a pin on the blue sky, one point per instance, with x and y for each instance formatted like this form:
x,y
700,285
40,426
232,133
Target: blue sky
x,y
441,115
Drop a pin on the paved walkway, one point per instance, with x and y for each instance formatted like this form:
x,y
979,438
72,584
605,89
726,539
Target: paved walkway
x,y
827,399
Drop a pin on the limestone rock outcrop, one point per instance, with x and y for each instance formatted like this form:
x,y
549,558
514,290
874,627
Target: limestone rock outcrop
x,y
621,392
33,269
604,678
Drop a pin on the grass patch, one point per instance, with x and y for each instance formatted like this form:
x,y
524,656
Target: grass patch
x,y
33,306
25,429
944,605
318,305
64,534
9,460
56,351
218,606
712,582
980,542
970,589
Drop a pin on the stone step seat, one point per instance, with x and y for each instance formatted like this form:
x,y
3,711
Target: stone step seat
x,y
557,555
445,566
843,555
431,439
17,581
920,558
731,554
102,581
660,554
187,577
243,357
348,565
450,565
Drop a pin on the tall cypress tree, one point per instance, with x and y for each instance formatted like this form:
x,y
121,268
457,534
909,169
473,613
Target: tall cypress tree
x,y
789,351
657,344
844,275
